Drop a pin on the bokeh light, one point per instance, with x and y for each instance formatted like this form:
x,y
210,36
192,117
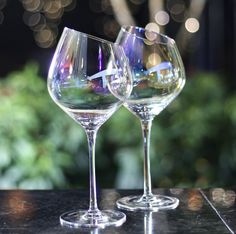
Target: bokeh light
x,y
52,7
217,194
33,5
195,200
192,25
152,28
43,17
162,17
55,15
19,204
229,198
154,59
223,197
45,38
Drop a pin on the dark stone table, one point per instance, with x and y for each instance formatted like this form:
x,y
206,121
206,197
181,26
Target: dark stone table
x,y
199,212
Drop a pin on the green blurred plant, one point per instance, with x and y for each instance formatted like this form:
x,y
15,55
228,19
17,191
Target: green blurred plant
x,y
192,140
36,140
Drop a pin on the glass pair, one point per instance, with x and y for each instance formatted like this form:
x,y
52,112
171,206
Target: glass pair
x,y
90,78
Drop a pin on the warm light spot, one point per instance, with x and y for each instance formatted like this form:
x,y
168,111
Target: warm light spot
x,y
195,200
162,17
55,15
152,29
43,17
44,35
52,7
154,59
45,38
47,5
46,44
217,195
33,5
18,204
223,197
229,198
192,25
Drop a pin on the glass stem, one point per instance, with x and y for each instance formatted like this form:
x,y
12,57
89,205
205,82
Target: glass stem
x,y
93,208
146,128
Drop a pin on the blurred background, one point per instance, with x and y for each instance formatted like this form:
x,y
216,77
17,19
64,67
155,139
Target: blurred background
x,y
193,141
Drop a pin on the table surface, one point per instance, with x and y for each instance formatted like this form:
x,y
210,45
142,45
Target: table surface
x,y
199,211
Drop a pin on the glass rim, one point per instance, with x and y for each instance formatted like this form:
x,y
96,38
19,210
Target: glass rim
x,y
92,37
124,28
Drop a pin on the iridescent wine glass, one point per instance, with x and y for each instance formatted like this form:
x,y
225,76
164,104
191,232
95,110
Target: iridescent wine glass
x,y
158,77
89,79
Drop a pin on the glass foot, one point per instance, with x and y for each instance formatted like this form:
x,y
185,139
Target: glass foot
x,y
147,203
82,218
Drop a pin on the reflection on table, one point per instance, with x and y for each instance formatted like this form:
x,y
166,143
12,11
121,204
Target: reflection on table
x,y
199,211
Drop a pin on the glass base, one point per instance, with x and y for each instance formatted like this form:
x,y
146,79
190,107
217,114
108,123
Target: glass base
x,y
100,219
147,203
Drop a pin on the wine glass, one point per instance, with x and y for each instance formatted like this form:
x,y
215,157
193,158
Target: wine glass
x,y
89,79
158,77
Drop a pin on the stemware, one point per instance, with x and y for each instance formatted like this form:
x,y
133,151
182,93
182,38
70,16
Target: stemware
x,y
158,77
89,79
